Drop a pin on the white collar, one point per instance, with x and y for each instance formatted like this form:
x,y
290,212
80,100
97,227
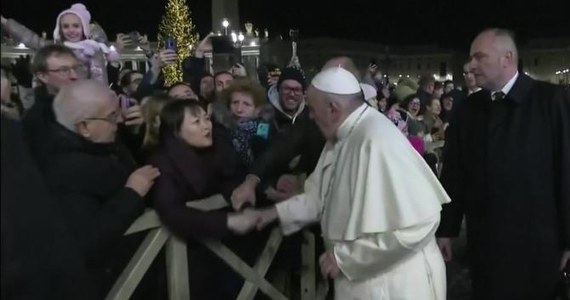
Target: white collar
x,y
475,90
507,88
349,123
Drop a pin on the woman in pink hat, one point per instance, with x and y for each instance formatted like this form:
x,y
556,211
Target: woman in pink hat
x,y
73,28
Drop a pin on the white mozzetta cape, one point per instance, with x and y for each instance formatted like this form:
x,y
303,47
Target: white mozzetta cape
x,y
380,183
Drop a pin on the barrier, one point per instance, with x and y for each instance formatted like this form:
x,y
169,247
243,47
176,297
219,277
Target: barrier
x,y
177,260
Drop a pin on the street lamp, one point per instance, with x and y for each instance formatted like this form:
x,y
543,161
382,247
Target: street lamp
x,y
225,24
240,37
234,37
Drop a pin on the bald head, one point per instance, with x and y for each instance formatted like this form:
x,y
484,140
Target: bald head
x,y
80,100
493,58
502,40
344,62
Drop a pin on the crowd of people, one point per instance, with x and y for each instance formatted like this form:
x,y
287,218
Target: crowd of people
x,y
87,145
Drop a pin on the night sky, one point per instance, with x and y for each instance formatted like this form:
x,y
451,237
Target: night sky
x,y
450,24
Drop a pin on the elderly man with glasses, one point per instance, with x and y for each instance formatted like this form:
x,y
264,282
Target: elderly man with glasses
x,y
91,174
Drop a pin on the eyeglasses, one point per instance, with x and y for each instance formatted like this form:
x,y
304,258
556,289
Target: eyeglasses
x,y
288,90
112,118
78,69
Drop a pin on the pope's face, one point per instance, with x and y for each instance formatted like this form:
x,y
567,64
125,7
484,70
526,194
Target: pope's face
x,y
322,112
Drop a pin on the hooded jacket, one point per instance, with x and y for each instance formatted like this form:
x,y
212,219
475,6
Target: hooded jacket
x,y
283,120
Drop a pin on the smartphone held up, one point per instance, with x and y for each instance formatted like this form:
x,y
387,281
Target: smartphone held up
x,y
170,44
125,103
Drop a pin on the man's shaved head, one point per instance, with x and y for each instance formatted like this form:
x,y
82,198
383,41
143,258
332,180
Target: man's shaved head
x,y
493,58
503,40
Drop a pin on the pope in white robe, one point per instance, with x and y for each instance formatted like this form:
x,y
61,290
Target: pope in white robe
x,y
376,199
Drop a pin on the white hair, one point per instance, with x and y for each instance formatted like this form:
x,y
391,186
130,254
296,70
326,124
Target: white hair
x,y
347,103
78,101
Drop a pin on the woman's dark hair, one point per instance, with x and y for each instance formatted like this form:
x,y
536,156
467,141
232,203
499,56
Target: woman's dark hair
x,y
447,95
438,85
222,72
391,101
126,79
406,102
179,83
172,116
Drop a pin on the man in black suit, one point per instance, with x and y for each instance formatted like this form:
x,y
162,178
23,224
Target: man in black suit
x,y
507,169
40,260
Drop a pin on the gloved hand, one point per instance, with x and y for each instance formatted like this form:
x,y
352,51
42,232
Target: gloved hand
x,y
22,72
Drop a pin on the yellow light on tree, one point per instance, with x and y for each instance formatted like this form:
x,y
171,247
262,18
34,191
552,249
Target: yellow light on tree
x,y
176,24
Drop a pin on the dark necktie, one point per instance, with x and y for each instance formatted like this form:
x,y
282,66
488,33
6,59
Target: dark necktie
x,y
498,95
498,110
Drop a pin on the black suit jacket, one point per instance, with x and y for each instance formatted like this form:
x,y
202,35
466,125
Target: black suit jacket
x,y
40,259
507,169
88,182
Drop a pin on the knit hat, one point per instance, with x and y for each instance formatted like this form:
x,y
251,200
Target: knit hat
x,y
81,12
292,74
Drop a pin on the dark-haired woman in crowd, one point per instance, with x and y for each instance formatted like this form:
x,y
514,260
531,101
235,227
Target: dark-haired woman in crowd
x,y
446,108
199,167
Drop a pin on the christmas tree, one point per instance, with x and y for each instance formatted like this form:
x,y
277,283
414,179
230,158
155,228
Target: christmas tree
x,y
176,24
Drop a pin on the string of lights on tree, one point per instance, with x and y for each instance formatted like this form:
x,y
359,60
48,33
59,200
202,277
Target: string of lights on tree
x,y
177,24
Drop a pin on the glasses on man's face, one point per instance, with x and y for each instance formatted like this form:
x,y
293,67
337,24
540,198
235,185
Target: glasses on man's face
x,y
136,81
79,69
288,90
112,118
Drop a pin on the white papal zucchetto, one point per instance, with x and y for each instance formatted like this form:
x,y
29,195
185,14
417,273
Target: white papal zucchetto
x,y
336,81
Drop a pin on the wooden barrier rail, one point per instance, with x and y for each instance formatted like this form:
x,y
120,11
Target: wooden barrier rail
x,y
177,261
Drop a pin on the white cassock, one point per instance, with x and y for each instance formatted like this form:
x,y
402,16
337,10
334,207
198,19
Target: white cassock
x,y
379,206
